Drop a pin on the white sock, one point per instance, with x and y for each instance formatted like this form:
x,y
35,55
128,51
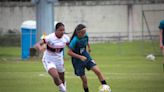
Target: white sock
x,y
62,87
65,84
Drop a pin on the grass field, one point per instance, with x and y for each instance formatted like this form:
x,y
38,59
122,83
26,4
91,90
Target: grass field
x,y
124,67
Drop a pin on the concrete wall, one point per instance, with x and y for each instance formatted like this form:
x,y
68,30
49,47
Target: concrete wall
x,y
97,18
11,17
100,19
153,17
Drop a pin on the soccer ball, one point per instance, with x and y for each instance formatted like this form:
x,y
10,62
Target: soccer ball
x,y
150,57
104,88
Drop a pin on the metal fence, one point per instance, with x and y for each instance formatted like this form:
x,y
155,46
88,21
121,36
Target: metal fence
x,y
122,36
143,44
14,39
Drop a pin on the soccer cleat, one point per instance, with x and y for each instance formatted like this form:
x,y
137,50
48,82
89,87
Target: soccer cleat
x,y
62,91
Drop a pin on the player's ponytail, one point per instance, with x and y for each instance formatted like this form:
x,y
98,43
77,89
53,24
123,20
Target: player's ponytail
x,y
73,35
78,28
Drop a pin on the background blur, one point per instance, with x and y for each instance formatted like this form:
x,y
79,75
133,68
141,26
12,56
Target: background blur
x,y
107,20
122,33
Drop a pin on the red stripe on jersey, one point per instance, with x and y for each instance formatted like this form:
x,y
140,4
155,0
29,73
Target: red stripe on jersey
x,y
67,43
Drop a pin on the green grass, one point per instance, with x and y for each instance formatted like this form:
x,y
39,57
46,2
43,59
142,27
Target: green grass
x,y
10,51
123,65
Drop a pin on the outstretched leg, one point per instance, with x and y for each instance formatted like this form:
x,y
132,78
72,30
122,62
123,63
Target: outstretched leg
x,y
61,75
54,74
96,70
85,83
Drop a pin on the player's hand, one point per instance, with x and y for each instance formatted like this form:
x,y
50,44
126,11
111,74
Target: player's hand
x,y
83,58
89,50
161,46
43,48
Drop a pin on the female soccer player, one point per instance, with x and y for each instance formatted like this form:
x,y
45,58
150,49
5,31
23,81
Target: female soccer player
x,y
161,27
53,55
81,59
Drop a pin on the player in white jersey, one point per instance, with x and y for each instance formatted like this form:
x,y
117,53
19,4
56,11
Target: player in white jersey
x,y
53,55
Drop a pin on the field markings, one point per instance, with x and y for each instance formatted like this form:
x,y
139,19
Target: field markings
x,y
91,75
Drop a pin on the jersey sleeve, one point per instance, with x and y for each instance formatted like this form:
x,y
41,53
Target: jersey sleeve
x,y
161,25
72,43
87,37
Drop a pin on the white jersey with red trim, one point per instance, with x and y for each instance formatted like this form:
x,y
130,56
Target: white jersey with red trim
x,y
55,47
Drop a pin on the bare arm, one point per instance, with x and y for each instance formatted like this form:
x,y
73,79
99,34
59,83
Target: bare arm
x,y
161,38
39,46
72,54
89,48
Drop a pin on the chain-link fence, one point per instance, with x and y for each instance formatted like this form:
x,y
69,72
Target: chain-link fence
x,y
10,39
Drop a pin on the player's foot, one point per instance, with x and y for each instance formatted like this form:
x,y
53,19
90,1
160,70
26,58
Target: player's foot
x,y
62,88
62,91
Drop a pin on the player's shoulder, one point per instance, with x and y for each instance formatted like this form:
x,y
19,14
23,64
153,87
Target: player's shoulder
x,y
65,36
75,38
87,35
50,35
161,25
